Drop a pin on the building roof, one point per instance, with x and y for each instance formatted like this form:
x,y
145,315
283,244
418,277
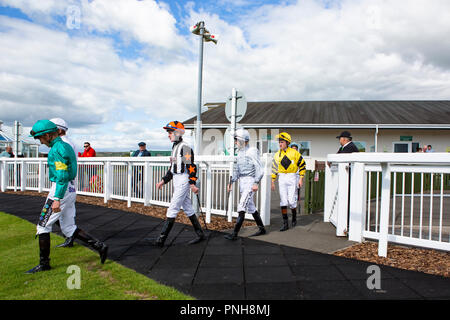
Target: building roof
x,y
5,138
334,114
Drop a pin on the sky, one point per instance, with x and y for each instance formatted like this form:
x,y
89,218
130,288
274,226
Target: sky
x,y
118,70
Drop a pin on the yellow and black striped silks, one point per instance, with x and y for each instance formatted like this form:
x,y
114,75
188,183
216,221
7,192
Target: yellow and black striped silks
x,y
289,161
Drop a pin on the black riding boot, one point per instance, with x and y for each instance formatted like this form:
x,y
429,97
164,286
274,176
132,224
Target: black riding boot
x,y
259,223
167,226
97,245
285,225
294,217
198,230
237,227
44,254
68,243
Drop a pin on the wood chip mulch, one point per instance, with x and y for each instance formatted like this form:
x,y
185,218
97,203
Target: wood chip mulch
x,y
423,260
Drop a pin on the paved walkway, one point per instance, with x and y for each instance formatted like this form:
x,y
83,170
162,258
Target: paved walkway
x,y
311,232
245,269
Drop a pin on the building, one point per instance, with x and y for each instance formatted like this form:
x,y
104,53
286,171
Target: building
x,y
376,126
26,148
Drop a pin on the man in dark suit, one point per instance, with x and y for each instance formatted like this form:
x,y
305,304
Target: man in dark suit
x,y
347,146
142,152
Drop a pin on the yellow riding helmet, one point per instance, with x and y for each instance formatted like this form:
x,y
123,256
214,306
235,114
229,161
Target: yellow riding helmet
x,y
284,136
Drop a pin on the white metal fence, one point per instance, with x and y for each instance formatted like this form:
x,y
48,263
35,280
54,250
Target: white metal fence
x,y
390,197
135,179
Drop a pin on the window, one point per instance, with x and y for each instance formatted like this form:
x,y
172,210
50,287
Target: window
x,y
304,147
405,146
401,147
361,145
273,146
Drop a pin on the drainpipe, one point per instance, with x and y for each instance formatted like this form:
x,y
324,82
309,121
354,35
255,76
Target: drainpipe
x,y
376,138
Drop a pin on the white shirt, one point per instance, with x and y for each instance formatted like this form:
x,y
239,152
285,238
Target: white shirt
x,y
67,140
248,164
345,145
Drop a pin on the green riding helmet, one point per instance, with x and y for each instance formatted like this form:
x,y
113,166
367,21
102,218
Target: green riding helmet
x,y
42,127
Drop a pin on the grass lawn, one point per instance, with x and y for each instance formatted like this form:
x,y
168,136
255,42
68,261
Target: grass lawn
x,y
19,252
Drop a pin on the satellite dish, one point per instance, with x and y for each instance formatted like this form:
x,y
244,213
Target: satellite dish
x,y
241,106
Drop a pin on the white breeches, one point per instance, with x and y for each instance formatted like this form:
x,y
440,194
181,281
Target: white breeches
x,y
246,202
66,216
181,196
288,183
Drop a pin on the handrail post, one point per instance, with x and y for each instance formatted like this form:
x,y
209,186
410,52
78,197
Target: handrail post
x,y
148,183
4,175
328,194
341,227
23,175
106,181
358,198
265,190
15,176
41,176
130,173
231,198
208,192
385,203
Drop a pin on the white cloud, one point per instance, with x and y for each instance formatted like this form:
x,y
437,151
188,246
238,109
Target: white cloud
x,y
47,73
42,10
146,21
354,50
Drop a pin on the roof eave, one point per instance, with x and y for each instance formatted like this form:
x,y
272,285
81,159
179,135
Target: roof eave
x,y
324,126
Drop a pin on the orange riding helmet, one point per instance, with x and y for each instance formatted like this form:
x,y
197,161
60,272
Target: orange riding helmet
x,y
176,126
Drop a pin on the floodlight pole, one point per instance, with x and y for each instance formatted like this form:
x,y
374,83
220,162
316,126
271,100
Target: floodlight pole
x,y
233,119
16,138
198,129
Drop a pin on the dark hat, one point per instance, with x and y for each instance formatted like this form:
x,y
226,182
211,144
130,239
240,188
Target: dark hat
x,y
344,134
140,144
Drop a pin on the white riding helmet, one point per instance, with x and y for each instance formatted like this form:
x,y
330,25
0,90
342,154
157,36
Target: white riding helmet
x,y
60,123
242,135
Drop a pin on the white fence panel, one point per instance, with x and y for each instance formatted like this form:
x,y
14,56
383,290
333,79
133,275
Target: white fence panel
x,y
401,198
135,180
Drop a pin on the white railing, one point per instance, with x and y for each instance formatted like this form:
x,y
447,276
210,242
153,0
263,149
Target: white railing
x,y
135,179
400,198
